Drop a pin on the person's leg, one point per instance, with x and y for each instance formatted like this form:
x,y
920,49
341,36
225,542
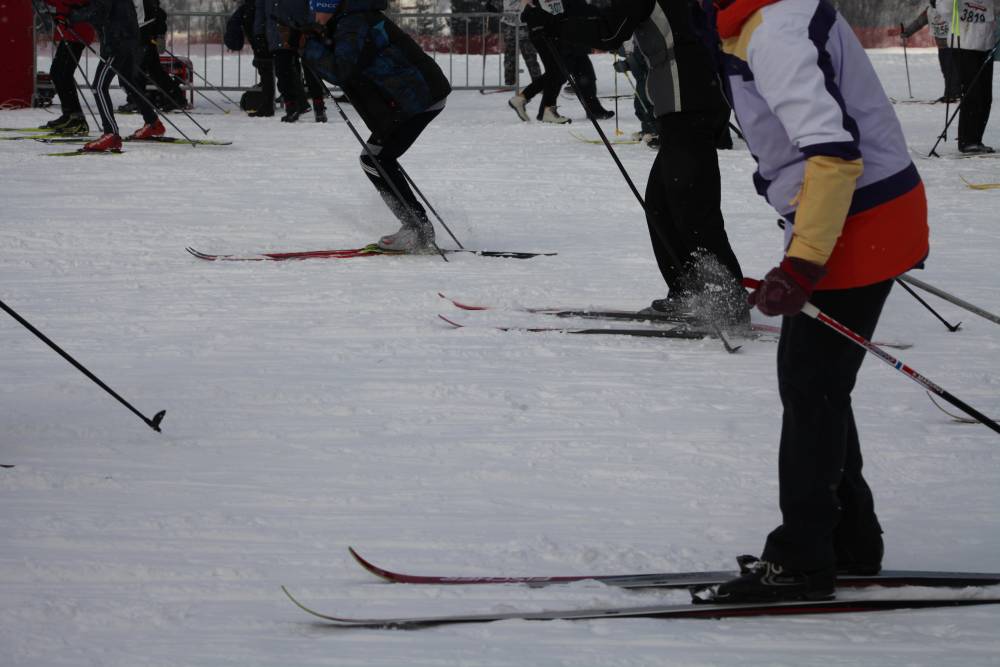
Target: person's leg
x,y
408,210
317,91
819,460
163,81
289,83
686,202
101,84
530,54
510,64
975,108
63,72
136,81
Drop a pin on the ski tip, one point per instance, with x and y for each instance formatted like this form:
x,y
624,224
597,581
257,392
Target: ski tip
x,y
369,566
453,323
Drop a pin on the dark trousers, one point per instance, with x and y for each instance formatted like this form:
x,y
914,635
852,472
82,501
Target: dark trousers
x,y
582,68
124,64
828,515
550,82
63,72
683,202
288,68
150,70
952,86
977,94
408,209
643,106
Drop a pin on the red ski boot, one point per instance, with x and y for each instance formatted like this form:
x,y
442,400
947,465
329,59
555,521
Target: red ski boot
x,y
149,131
104,144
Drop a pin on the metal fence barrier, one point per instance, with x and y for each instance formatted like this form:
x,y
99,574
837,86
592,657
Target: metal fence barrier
x,y
469,48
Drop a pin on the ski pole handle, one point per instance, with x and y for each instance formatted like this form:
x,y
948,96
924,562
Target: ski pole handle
x,y
815,313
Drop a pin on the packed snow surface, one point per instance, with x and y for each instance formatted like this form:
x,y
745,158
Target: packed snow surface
x,y
319,404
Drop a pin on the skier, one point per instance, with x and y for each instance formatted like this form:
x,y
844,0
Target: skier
x,y
395,87
69,48
152,33
118,29
939,30
550,82
683,193
972,24
514,38
832,159
268,16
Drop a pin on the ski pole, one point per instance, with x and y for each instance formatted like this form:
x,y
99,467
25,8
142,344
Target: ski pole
x,y
812,311
618,131
716,329
371,155
153,423
906,60
215,88
907,278
948,325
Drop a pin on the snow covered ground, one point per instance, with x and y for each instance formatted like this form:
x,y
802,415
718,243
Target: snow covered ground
x,y
316,405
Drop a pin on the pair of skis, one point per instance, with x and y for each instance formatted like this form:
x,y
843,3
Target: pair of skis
x,y
679,580
668,326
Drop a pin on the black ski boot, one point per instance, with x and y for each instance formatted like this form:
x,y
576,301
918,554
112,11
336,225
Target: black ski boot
x,y
763,581
292,113
319,110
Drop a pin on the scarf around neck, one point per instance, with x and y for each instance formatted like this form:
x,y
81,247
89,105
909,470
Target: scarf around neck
x,y
733,13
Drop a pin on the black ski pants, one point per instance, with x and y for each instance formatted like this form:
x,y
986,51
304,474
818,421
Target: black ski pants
x,y
977,94
63,72
683,197
121,63
408,210
827,511
552,79
150,69
289,70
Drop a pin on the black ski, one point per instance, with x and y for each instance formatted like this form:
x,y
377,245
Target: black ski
x,y
651,611
686,579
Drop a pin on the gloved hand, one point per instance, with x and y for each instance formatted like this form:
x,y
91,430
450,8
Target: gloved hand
x,y
539,21
787,287
621,66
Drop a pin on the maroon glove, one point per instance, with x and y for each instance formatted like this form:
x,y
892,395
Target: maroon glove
x,y
787,287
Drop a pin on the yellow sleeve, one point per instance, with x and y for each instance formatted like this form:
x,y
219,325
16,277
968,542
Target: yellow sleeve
x,y
823,203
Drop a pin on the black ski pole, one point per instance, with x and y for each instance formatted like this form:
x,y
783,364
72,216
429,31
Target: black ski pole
x,y
209,83
961,100
948,325
950,297
717,330
153,423
371,154
812,311
906,60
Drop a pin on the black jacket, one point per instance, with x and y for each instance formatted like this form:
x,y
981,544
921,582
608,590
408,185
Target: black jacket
x,y
671,37
386,74
115,22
